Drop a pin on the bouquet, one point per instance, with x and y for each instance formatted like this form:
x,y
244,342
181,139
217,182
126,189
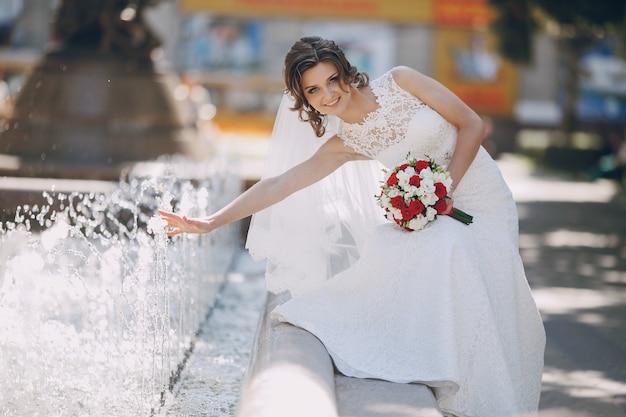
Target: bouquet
x,y
415,192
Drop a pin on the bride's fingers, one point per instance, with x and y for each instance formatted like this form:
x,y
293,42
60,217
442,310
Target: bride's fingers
x,y
173,219
449,206
177,224
167,215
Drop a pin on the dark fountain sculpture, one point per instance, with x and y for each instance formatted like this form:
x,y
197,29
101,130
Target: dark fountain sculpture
x,y
96,102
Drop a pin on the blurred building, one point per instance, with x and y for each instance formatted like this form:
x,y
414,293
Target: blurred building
x,y
446,39
235,48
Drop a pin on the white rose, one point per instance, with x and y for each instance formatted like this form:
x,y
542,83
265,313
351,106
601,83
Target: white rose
x,y
427,186
431,213
385,201
429,199
441,177
395,212
417,223
426,173
411,191
404,176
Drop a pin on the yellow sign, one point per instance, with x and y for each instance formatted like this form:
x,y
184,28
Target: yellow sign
x,y
389,10
462,13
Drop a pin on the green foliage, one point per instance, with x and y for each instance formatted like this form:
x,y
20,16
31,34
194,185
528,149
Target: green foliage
x,y
577,20
514,27
584,14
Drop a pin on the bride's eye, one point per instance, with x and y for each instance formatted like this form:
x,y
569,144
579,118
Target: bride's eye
x,y
312,90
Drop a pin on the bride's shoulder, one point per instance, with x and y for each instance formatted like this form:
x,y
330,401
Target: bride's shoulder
x,y
404,75
397,79
413,81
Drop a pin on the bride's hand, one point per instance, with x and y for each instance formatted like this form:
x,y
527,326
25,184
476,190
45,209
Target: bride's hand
x,y
449,206
177,224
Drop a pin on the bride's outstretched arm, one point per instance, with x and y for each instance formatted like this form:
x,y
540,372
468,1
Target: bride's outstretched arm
x,y
267,192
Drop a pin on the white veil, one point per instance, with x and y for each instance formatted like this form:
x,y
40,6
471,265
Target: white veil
x,y
318,231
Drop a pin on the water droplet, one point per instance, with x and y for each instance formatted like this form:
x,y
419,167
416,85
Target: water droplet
x,y
43,156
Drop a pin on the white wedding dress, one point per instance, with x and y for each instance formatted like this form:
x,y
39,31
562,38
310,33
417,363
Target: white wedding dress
x,y
448,306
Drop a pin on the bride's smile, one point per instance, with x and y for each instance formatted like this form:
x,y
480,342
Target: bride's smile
x,y
333,102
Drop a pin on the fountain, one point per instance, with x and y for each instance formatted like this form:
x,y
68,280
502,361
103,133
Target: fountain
x,y
98,308
98,99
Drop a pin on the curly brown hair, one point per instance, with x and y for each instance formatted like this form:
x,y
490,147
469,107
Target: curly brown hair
x,y
305,54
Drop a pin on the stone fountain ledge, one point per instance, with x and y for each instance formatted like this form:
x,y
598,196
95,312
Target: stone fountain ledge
x,y
291,374
12,184
22,184
21,191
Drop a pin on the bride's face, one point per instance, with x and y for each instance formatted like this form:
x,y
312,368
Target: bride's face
x,y
325,90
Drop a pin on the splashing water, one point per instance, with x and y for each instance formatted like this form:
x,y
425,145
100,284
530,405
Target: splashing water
x,y
99,309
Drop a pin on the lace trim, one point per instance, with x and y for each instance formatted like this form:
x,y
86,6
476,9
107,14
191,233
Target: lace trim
x,y
385,126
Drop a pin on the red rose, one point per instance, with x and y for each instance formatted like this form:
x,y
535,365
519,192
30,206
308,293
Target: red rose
x,y
415,181
440,190
403,167
440,206
416,207
420,165
398,202
392,180
406,213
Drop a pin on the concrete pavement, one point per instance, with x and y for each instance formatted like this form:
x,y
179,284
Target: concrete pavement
x,y
573,243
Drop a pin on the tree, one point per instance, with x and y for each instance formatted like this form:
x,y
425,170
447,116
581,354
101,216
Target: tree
x,y
576,24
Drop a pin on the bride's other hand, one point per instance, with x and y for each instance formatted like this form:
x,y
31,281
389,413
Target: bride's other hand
x,y
449,206
177,224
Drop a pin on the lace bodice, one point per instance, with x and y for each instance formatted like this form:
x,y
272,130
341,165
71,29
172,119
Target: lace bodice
x,y
401,124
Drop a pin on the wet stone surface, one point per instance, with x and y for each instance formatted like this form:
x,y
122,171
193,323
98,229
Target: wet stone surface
x,y
209,384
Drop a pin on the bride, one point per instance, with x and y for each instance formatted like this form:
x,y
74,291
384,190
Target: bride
x,y
447,306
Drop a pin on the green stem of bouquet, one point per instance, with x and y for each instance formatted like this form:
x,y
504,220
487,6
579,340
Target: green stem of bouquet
x,y
461,216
